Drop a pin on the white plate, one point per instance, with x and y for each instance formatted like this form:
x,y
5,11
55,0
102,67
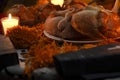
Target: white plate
x,y
72,41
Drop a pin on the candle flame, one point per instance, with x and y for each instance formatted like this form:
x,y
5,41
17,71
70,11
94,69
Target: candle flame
x,y
9,16
57,2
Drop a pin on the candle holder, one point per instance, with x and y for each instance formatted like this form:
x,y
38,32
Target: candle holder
x,y
9,22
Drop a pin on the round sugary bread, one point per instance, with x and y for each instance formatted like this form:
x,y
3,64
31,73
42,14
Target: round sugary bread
x,y
91,23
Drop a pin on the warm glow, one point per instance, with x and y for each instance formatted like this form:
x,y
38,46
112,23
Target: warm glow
x,y
9,22
9,16
57,2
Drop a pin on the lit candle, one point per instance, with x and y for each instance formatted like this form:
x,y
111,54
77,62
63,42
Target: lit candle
x,y
9,22
57,2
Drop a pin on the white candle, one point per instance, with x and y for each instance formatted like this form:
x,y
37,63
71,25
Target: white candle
x,y
9,22
57,2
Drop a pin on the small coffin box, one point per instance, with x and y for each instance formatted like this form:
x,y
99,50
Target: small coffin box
x,y
102,59
8,54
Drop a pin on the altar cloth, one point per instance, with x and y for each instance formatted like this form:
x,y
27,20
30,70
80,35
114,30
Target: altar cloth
x,y
98,60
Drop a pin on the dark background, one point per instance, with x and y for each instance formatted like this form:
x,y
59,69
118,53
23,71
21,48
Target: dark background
x,y
6,4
